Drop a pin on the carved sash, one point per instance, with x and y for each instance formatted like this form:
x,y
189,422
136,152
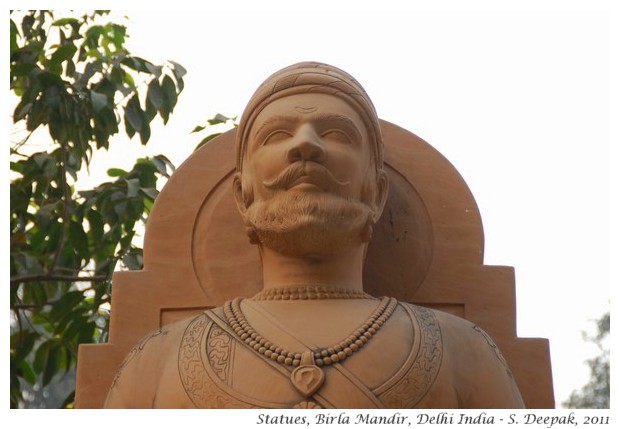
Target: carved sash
x,y
206,365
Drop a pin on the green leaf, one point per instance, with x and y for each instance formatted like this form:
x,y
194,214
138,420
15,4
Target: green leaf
x,y
116,172
14,35
154,95
92,36
49,210
63,53
51,79
150,112
111,126
218,119
119,206
145,132
180,85
125,242
41,356
128,80
33,46
168,163
94,53
52,365
98,100
198,129
27,372
95,222
178,70
89,71
206,140
117,75
65,358
69,400
27,23
150,192
118,34
131,262
42,158
78,239
133,186
73,327
21,69
65,304
70,68
170,93
21,111
86,333
148,203
164,111
17,166
141,65
161,164
65,21
133,113
22,343
153,69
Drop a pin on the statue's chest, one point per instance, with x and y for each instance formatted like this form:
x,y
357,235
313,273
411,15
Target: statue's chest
x,y
217,370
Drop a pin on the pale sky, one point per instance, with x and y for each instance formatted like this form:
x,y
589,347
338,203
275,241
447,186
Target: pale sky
x,y
516,97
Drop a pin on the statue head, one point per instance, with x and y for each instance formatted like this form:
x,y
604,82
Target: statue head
x,y
310,177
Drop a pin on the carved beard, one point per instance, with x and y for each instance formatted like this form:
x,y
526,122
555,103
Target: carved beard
x,y
306,224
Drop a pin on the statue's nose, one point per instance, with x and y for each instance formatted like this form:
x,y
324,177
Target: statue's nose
x,y
307,145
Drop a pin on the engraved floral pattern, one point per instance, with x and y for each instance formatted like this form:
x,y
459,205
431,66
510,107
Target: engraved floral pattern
x,y
219,346
202,391
416,383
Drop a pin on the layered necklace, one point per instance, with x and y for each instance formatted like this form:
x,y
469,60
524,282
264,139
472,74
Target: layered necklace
x,y
307,376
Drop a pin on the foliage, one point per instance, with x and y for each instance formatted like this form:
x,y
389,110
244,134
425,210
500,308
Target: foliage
x,y
73,77
217,120
595,394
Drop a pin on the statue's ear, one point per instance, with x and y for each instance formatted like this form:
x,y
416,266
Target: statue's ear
x,y
380,197
243,201
238,194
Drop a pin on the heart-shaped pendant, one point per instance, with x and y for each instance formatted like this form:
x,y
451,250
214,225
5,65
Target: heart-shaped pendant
x,y
307,377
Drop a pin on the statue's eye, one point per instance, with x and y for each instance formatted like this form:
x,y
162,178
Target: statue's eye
x,y
337,135
276,136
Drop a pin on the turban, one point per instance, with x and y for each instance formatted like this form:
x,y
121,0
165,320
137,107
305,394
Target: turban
x,y
311,77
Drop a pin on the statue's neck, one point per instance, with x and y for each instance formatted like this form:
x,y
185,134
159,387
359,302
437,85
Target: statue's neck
x,y
343,270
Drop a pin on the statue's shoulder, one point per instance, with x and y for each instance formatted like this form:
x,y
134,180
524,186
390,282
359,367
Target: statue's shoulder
x,y
458,336
421,311
171,333
479,371
448,323
150,359
455,331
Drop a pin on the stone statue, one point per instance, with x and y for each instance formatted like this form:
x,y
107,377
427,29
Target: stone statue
x,y
310,185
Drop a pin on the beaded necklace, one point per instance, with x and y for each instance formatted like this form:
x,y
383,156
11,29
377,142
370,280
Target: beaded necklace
x,y
307,376
304,292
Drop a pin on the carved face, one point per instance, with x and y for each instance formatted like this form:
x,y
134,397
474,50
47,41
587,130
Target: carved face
x,y
317,131
306,175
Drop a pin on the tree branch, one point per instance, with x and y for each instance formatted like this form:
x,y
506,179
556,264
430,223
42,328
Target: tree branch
x,y
55,277
18,145
27,307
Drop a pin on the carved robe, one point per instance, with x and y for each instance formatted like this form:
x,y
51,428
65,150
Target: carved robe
x,y
202,363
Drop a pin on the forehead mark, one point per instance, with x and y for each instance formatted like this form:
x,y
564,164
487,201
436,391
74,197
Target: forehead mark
x,y
306,110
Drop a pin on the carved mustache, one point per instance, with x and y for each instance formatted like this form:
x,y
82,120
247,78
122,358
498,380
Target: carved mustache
x,y
315,173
